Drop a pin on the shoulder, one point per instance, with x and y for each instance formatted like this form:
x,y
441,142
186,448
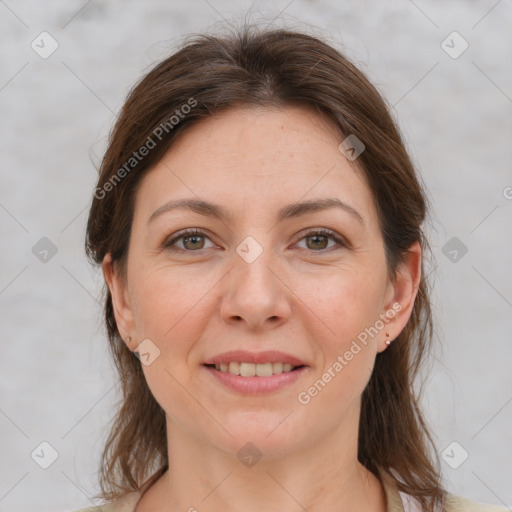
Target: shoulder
x,y
128,503
109,507
455,503
398,501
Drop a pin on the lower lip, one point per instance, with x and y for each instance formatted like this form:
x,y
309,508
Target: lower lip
x,y
256,385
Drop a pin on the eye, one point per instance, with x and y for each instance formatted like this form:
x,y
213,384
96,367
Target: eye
x,y
319,240
193,239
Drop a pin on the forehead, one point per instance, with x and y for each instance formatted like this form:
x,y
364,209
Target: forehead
x,y
255,160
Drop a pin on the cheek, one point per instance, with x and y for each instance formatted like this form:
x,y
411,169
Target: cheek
x,y
350,306
171,312
170,303
347,303
347,306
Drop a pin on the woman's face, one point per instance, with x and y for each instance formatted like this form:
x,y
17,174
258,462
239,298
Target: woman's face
x,y
261,275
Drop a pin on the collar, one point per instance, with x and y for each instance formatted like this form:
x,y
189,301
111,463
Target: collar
x,y
393,500
128,503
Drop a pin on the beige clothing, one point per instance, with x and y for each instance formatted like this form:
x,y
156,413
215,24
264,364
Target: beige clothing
x,y
396,502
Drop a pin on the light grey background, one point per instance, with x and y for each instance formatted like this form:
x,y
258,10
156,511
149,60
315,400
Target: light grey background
x,y
57,384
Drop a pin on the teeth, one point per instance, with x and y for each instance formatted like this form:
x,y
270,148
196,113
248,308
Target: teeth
x,y
263,370
252,370
233,368
247,369
277,368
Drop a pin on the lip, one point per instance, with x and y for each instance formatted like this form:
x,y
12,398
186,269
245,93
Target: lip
x,y
256,385
267,356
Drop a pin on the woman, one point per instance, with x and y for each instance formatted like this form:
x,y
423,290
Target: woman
x,y
259,226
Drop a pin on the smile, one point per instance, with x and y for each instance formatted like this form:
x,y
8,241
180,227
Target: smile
x,y
254,370
255,379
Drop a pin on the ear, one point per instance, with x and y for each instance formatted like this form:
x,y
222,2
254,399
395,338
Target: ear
x,y
401,295
122,310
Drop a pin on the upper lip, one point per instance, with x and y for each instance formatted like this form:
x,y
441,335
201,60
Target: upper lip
x,y
267,356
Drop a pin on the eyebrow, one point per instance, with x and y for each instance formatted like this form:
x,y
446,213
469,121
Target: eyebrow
x,y
287,212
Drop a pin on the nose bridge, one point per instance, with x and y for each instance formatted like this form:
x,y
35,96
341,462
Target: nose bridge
x,y
253,263
254,292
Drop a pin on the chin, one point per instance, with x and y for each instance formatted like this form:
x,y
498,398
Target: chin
x,y
277,433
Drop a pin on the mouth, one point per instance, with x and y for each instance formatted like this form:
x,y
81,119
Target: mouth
x,y
255,379
255,373
244,369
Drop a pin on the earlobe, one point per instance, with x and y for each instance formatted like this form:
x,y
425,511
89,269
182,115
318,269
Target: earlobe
x,y
122,310
403,290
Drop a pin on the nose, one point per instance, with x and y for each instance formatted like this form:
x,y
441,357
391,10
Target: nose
x,y
255,295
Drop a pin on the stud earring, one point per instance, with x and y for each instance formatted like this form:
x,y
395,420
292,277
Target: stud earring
x,y
388,341
128,339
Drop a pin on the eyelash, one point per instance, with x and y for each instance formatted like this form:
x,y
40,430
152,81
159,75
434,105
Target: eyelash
x,y
168,245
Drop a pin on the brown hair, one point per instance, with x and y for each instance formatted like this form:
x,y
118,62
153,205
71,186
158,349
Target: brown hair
x,y
270,68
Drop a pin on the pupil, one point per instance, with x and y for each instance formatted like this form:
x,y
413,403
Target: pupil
x,y
317,237
194,238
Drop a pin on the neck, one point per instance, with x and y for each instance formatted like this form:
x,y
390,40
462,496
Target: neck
x,y
324,477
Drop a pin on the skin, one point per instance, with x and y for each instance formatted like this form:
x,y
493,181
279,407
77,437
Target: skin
x,y
305,296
